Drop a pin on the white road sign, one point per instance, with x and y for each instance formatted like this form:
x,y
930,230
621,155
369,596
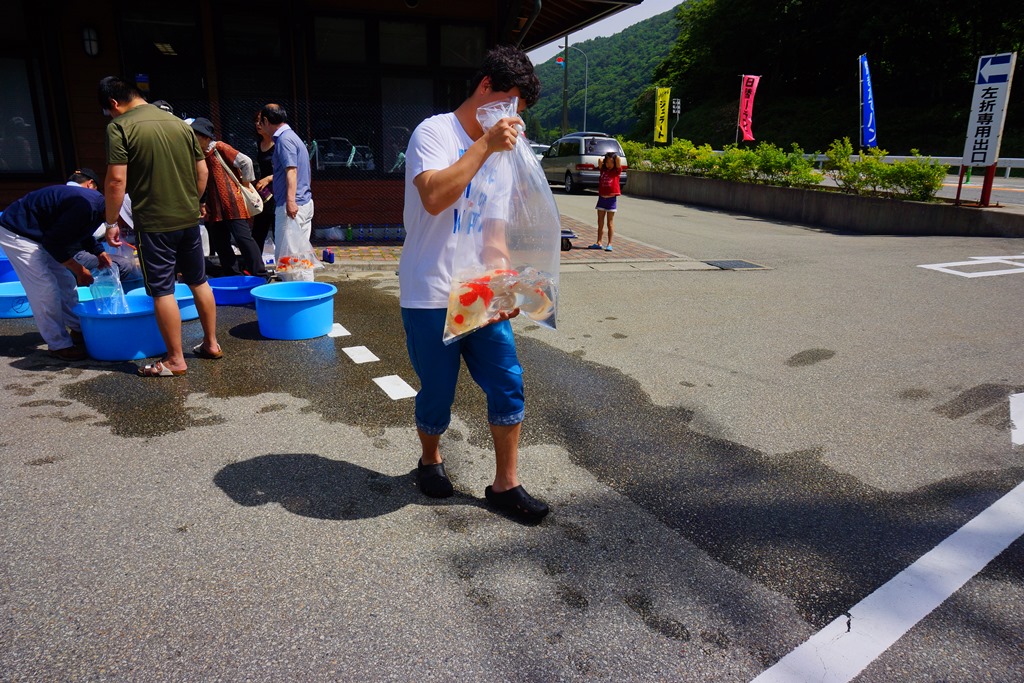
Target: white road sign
x,y
988,108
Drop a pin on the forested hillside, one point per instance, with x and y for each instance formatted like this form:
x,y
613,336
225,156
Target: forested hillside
x,y
621,67
922,55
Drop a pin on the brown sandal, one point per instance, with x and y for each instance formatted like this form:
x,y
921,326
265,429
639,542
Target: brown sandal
x,y
200,352
158,369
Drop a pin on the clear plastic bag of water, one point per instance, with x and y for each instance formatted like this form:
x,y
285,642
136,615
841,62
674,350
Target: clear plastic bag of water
x,y
107,292
509,239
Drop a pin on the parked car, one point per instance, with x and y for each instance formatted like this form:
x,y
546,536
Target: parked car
x,y
573,159
341,153
362,157
539,149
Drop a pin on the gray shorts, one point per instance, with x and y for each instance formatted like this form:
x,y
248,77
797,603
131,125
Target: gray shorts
x,y
165,254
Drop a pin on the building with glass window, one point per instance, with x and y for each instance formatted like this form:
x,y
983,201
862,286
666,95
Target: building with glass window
x,y
356,76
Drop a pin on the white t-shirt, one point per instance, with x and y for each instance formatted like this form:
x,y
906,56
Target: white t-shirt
x,y
425,268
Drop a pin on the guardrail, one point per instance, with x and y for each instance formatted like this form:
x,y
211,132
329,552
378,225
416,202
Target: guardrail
x,y
952,162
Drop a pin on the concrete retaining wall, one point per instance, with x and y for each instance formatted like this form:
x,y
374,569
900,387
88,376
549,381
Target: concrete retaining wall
x,y
828,209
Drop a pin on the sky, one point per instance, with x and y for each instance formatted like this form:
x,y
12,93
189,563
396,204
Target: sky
x,y
606,27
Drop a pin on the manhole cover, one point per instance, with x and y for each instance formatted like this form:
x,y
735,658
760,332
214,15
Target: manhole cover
x,y
735,265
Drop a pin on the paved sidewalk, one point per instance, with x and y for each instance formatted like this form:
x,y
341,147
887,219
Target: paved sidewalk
x,y
384,255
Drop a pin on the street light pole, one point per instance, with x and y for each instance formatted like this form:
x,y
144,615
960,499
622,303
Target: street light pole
x,y
586,80
565,88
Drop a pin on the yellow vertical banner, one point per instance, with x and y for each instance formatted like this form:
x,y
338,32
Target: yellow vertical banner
x,y
661,115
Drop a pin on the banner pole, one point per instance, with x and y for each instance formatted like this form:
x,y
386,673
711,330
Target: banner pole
x,y
959,186
860,76
739,114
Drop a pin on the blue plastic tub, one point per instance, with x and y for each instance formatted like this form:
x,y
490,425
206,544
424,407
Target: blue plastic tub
x,y
234,290
125,336
13,301
182,294
295,310
7,273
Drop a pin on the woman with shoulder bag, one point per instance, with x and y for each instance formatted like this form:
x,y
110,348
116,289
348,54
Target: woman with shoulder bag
x,y
225,211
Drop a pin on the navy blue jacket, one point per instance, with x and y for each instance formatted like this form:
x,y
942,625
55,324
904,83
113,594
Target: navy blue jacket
x,y
61,218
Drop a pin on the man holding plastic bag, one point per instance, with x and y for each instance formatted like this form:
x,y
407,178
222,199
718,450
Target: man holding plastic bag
x,y
40,233
445,154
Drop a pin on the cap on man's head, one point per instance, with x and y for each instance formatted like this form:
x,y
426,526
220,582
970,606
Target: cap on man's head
x,y
203,127
165,105
81,174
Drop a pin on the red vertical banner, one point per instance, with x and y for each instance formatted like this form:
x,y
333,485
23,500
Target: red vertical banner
x,y
748,86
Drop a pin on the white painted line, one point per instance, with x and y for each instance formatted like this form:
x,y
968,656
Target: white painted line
x,y
975,261
984,273
360,354
338,331
841,650
1017,419
1012,259
395,387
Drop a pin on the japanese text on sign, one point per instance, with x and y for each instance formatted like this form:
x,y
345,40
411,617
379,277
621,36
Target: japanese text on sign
x,y
661,115
988,109
748,87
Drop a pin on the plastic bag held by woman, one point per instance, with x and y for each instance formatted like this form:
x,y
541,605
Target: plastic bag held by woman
x,y
508,245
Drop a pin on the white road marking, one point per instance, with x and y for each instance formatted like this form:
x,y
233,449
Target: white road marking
x,y
1017,419
395,387
843,649
360,354
951,268
338,331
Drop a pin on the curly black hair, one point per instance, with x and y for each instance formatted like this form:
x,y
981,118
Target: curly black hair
x,y
509,67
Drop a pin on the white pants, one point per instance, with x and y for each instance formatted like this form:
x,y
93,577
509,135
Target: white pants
x,y
291,235
50,287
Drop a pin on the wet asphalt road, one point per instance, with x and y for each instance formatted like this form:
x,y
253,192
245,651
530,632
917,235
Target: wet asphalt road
x,y
734,459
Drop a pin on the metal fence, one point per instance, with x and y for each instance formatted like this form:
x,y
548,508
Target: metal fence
x,y
357,141
360,143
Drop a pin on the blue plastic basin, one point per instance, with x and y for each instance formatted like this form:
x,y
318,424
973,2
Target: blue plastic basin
x,y
182,294
125,336
234,290
295,310
7,273
13,301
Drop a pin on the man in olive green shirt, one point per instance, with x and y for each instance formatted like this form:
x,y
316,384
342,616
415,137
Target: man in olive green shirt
x,y
154,157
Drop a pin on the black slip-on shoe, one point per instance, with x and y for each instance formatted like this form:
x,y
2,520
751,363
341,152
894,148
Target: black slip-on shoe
x,y
518,504
433,480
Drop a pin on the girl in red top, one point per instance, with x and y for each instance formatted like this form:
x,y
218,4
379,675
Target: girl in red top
x,y
607,190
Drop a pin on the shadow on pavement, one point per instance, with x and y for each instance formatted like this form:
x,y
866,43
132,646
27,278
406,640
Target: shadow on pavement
x,y
314,486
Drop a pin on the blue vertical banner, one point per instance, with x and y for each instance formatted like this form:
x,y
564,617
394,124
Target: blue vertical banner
x,y
868,130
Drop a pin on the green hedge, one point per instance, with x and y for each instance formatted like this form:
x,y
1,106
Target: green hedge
x,y
919,178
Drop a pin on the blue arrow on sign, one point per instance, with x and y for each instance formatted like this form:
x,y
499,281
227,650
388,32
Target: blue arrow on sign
x,y
989,70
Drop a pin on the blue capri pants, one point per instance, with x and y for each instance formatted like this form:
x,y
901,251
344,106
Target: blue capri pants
x,y
490,355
